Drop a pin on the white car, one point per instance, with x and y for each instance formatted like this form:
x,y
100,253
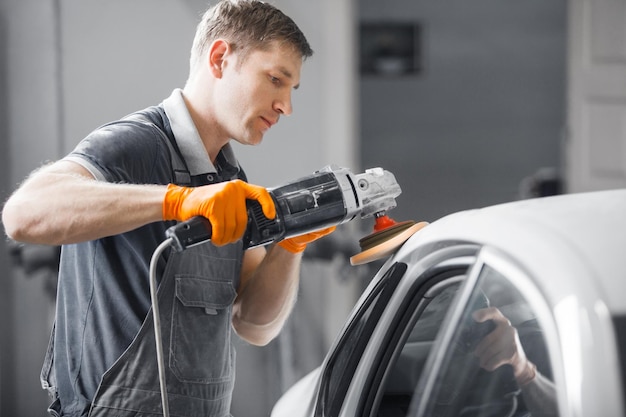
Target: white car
x,y
554,267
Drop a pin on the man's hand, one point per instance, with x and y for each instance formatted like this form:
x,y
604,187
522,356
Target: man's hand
x,y
224,204
502,346
298,244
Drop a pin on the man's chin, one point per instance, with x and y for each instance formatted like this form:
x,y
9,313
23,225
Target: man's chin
x,y
252,141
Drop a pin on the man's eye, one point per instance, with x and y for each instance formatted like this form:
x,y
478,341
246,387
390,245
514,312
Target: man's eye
x,y
274,80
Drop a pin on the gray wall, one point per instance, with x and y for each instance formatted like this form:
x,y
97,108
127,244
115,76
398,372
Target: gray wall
x,y
486,111
6,328
29,137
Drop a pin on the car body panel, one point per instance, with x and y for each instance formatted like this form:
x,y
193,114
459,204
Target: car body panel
x,y
298,401
571,224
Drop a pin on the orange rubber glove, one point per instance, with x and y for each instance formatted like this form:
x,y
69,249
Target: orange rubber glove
x,y
298,244
224,204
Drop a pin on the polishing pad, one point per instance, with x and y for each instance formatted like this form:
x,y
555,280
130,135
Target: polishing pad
x,y
381,244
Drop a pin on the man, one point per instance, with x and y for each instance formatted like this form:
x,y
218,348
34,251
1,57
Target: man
x,y
110,201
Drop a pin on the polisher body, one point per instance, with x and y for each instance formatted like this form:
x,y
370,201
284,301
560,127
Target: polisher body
x,y
328,197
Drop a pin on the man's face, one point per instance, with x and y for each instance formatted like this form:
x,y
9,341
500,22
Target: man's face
x,y
253,94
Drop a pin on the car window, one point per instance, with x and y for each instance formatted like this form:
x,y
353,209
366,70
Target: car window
x,y
342,364
476,377
399,385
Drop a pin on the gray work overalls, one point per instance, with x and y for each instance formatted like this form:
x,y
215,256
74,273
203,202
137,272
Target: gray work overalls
x,y
195,301
196,294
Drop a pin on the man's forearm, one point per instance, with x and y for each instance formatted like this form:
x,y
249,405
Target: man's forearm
x,y
267,297
61,204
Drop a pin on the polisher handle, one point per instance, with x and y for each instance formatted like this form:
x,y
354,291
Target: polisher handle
x,y
189,233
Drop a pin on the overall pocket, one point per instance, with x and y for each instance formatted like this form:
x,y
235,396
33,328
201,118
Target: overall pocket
x,y
201,349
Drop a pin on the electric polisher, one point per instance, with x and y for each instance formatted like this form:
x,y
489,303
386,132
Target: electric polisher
x,y
328,197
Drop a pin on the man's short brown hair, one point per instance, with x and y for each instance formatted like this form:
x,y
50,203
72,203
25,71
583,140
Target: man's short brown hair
x,y
247,25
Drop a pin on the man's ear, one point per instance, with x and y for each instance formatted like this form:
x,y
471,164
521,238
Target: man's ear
x,y
218,51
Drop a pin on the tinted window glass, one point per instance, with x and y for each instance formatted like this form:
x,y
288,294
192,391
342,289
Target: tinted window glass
x,y
341,366
407,369
497,363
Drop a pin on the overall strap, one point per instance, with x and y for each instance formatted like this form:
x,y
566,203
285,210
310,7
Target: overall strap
x,y
180,173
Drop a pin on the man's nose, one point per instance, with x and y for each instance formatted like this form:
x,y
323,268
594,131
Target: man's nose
x,y
283,104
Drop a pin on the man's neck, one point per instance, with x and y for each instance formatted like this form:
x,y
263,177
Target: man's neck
x,y
208,129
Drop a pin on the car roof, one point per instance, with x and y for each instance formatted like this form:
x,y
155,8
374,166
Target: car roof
x,y
572,244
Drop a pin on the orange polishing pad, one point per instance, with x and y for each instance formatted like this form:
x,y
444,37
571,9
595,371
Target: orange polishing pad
x,y
385,239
